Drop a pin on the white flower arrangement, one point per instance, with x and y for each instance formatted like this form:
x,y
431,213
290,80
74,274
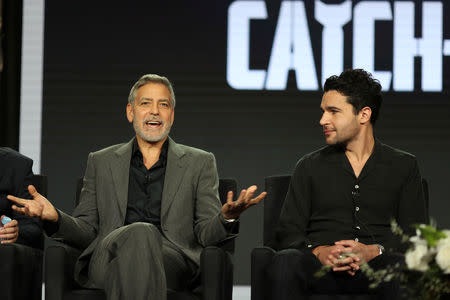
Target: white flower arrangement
x,y
443,252
426,275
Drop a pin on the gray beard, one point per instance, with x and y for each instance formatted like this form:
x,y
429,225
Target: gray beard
x,y
151,139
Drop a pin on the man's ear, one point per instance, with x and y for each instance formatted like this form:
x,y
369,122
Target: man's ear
x,y
364,115
130,113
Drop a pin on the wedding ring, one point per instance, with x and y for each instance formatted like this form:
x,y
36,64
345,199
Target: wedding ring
x,y
341,256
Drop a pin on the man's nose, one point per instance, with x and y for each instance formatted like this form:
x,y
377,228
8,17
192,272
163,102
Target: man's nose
x,y
154,108
323,119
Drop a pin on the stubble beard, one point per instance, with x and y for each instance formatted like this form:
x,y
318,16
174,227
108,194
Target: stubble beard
x,y
341,141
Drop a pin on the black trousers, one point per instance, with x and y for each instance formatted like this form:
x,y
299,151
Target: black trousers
x,y
292,276
20,272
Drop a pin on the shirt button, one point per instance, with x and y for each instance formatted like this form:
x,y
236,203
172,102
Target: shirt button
x,y
357,227
356,186
357,208
356,240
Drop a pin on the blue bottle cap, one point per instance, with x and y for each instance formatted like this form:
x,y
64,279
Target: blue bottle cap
x,y
6,220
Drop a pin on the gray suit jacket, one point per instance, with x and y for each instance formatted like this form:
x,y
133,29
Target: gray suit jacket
x,y
190,207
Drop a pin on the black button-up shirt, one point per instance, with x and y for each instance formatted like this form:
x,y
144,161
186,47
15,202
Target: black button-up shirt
x,y
326,202
145,188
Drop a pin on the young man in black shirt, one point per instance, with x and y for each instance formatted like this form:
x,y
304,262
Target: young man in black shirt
x,y
342,198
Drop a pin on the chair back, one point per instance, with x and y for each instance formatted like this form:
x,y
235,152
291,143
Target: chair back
x,y
226,185
40,182
426,199
78,192
276,188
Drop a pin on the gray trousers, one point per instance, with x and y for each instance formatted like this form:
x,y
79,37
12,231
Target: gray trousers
x,y
137,262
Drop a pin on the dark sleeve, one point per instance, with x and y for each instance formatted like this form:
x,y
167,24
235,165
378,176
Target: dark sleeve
x,y
30,229
51,228
230,227
411,209
294,217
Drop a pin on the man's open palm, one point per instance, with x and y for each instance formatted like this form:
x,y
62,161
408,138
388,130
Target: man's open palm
x,y
39,206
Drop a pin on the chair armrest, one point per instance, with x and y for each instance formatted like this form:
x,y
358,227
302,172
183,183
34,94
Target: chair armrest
x,y
228,244
261,258
216,269
59,260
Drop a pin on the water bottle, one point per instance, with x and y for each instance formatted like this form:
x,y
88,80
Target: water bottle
x,y
5,220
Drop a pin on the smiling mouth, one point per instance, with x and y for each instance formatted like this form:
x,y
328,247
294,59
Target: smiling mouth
x,y
153,123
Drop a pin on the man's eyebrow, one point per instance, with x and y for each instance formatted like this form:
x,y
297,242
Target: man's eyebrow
x,y
151,99
333,108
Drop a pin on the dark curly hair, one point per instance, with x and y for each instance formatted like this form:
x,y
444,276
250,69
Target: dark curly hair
x,y
360,88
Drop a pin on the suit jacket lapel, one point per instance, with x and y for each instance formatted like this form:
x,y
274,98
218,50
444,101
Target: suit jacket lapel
x,y
174,174
120,170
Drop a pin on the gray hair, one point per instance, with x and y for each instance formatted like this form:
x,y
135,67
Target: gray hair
x,y
151,78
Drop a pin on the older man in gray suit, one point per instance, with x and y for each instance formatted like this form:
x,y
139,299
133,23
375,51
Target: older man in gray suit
x,y
147,207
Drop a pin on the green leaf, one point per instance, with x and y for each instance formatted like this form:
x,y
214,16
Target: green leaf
x,y
430,234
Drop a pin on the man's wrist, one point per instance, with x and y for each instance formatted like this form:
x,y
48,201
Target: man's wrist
x,y
372,251
316,251
229,220
54,216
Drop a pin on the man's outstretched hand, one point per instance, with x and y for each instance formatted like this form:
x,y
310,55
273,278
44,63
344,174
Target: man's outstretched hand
x,y
39,206
233,209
